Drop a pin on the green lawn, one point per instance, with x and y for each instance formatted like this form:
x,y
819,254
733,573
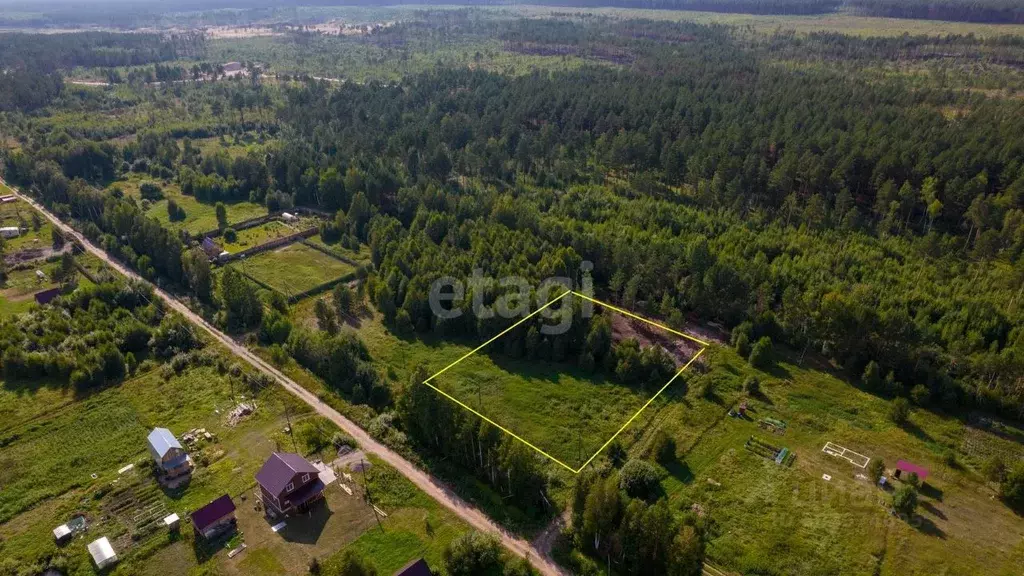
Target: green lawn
x,y
294,268
251,237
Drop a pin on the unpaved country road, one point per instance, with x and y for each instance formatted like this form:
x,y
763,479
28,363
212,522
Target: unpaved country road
x,y
437,490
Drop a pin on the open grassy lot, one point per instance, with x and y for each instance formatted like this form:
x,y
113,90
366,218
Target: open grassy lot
x,y
199,216
788,520
294,268
17,291
35,230
252,237
362,256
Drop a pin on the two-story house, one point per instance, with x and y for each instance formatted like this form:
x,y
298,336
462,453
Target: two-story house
x,y
173,463
288,484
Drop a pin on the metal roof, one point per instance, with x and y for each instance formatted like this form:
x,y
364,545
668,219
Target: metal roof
x,y
212,512
161,441
279,470
415,568
102,552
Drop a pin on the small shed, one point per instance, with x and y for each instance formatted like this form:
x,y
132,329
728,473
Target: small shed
x,y
102,553
904,467
10,231
172,522
415,568
44,297
62,533
8,198
215,517
288,217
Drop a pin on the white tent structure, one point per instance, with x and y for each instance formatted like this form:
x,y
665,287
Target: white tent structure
x,y
102,553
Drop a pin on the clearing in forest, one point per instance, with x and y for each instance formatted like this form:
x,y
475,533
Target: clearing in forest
x,y
562,411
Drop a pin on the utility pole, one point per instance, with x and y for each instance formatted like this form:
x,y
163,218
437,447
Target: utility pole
x,y
369,496
291,431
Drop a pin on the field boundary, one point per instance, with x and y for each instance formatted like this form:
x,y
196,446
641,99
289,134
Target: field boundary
x,y
704,346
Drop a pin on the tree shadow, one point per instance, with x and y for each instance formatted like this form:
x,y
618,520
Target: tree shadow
x,y
916,431
933,510
679,470
930,491
778,371
926,526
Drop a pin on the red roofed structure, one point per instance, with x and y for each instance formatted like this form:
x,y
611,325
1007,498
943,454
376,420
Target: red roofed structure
x,y
215,517
904,467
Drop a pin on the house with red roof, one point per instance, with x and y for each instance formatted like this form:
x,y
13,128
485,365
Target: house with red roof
x,y
215,518
289,484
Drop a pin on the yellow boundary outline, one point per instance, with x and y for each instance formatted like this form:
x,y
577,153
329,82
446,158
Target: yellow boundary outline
x,y
531,315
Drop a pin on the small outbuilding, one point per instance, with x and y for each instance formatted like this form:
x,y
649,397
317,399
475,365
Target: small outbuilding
x,y
215,518
172,522
415,568
288,217
44,297
904,467
62,533
102,553
10,231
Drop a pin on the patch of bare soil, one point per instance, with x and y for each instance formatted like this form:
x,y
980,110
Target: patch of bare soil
x,y
679,348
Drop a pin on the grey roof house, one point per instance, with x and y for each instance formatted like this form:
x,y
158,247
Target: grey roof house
x,y
173,463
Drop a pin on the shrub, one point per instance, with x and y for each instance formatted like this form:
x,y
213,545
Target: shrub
x,y
912,479
752,385
875,469
471,554
994,469
638,478
919,394
742,344
1012,488
761,353
899,411
663,447
150,191
230,235
904,500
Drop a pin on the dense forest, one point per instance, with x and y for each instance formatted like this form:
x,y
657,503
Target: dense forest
x,y
707,185
32,63
1000,11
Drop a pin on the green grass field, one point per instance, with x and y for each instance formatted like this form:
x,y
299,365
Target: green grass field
x,y
199,216
294,268
779,520
362,256
20,214
252,237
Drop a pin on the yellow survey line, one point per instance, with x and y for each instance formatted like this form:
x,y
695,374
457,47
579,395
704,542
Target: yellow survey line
x,y
638,412
500,427
634,316
531,315
500,334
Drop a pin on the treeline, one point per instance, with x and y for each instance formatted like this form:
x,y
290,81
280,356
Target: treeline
x,y
994,11
50,52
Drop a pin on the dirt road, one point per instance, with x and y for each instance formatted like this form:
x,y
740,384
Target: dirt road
x,y
425,482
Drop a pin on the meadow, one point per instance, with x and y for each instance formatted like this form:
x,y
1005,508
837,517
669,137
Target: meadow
x,y
361,256
294,268
199,217
772,519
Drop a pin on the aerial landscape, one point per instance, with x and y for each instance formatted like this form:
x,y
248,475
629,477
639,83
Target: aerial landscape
x,y
693,287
